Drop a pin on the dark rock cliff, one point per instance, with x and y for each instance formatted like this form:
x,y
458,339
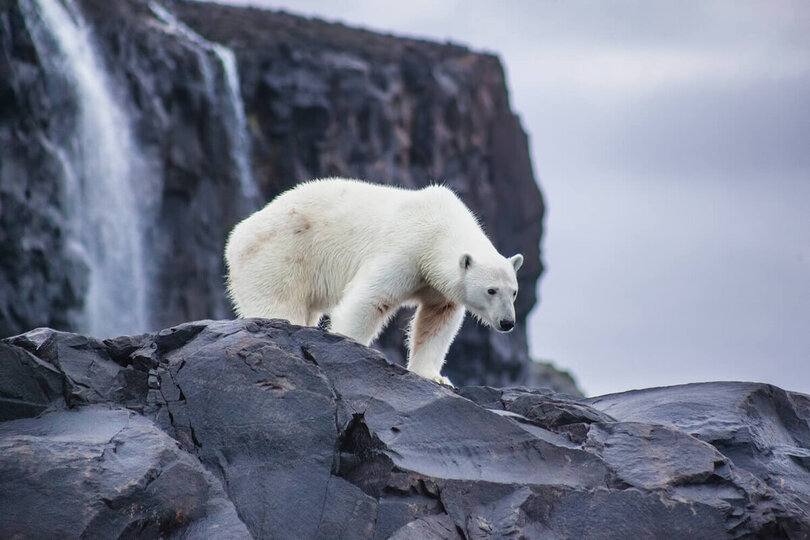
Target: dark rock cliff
x,y
255,428
319,100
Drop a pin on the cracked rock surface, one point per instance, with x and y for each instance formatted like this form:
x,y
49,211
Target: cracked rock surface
x,y
256,428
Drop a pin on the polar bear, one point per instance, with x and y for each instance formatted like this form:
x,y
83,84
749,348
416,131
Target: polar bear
x,y
358,251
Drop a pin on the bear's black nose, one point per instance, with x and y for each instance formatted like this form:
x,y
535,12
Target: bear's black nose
x,y
507,325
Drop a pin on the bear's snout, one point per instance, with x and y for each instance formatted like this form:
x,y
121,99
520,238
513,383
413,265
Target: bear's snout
x,y
507,325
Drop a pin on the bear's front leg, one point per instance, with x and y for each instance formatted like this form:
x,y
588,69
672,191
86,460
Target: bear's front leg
x,y
433,329
363,311
372,297
360,318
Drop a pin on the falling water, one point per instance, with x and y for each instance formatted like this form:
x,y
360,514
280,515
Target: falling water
x,y
237,127
100,163
239,135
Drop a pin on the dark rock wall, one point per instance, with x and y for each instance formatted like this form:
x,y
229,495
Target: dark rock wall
x,y
321,100
42,282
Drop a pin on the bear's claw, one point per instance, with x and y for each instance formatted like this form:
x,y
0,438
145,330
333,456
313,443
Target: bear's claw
x,y
442,380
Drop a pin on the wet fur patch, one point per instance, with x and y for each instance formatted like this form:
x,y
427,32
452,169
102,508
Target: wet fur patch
x,y
430,320
255,247
300,223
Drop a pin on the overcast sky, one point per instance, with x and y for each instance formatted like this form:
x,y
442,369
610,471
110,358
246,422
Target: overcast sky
x,y
672,143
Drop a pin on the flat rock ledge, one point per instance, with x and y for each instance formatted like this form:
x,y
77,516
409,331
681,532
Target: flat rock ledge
x,y
259,429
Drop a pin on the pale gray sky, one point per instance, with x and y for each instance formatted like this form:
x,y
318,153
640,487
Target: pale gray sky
x,y
672,142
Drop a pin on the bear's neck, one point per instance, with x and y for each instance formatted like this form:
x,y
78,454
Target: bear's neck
x,y
441,268
448,230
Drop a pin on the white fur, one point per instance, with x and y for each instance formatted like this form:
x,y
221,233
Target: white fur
x,y
359,251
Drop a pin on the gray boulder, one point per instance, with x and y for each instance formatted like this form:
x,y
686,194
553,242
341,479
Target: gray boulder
x,y
256,428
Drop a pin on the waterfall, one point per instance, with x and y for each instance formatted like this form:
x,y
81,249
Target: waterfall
x,y
236,128
240,142
100,163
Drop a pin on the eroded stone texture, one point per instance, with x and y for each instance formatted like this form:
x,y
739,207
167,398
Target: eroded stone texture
x,y
98,472
264,429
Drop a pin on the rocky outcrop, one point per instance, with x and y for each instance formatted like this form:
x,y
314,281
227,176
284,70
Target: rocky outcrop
x,y
318,99
258,428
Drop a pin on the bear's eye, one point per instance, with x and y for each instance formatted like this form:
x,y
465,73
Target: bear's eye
x,y
492,291
514,294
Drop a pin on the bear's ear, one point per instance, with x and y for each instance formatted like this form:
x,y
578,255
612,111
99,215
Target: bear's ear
x,y
465,261
517,261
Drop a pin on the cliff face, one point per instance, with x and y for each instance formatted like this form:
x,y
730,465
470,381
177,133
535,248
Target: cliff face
x,y
256,428
226,108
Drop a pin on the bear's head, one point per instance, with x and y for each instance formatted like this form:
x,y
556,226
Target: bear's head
x,y
490,289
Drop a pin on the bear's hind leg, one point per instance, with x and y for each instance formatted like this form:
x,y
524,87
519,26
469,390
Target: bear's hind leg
x,y
297,314
313,317
432,331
